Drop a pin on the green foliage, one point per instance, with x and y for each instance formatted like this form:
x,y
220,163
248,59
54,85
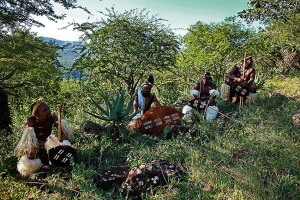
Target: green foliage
x,y
28,66
115,110
124,46
215,47
267,10
260,80
252,155
18,13
280,39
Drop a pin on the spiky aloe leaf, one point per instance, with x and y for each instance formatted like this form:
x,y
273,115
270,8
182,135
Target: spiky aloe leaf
x,y
120,103
113,115
131,116
129,106
102,110
106,101
97,116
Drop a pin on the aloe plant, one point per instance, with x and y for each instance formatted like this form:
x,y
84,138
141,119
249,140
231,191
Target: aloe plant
x,y
260,80
116,110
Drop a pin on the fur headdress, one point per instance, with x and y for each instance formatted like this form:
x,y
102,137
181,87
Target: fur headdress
x,y
36,105
207,75
150,80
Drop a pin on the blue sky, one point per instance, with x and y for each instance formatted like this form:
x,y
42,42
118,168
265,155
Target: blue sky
x,y
180,14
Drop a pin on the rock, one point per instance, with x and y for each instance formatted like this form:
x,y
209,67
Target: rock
x,y
153,174
296,120
175,130
110,179
91,129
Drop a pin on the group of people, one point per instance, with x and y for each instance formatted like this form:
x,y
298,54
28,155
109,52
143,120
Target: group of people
x,y
33,147
239,86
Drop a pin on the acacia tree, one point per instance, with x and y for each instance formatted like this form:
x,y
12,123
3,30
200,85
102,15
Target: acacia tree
x,y
26,63
20,13
124,46
29,66
267,10
215,47
281,35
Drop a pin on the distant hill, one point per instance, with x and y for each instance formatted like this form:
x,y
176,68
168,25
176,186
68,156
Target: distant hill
x,y
67,56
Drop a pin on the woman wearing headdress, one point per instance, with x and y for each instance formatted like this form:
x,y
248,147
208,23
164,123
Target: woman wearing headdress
x,y
32,147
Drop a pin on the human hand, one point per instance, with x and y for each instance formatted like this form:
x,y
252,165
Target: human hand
x,y
239,80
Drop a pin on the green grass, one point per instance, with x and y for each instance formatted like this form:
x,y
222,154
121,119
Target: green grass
x,y
254,155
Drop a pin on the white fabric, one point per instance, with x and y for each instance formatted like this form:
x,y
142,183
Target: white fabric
x,y
188,113
214,93
66,143
51,142
140,98
27,166
194,92
211,113
139,115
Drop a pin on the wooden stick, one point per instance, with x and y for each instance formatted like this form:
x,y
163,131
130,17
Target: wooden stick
x,y
59,131
243,76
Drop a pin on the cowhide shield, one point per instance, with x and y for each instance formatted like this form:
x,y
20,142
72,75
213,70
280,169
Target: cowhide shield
x,y
156,119
62,155
240,90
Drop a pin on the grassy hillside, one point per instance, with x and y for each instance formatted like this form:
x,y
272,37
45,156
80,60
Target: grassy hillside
x,y
253,155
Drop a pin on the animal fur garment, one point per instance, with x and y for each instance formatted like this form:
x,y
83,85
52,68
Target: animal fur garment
x,y
66,129
51,142
225,91
194,93
27,143
150,78
214,93
188,113
211,113
251,98
27,166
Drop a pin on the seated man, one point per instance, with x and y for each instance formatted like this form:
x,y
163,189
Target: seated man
x,y
240,82
203,99
32,146
145,98
205,86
